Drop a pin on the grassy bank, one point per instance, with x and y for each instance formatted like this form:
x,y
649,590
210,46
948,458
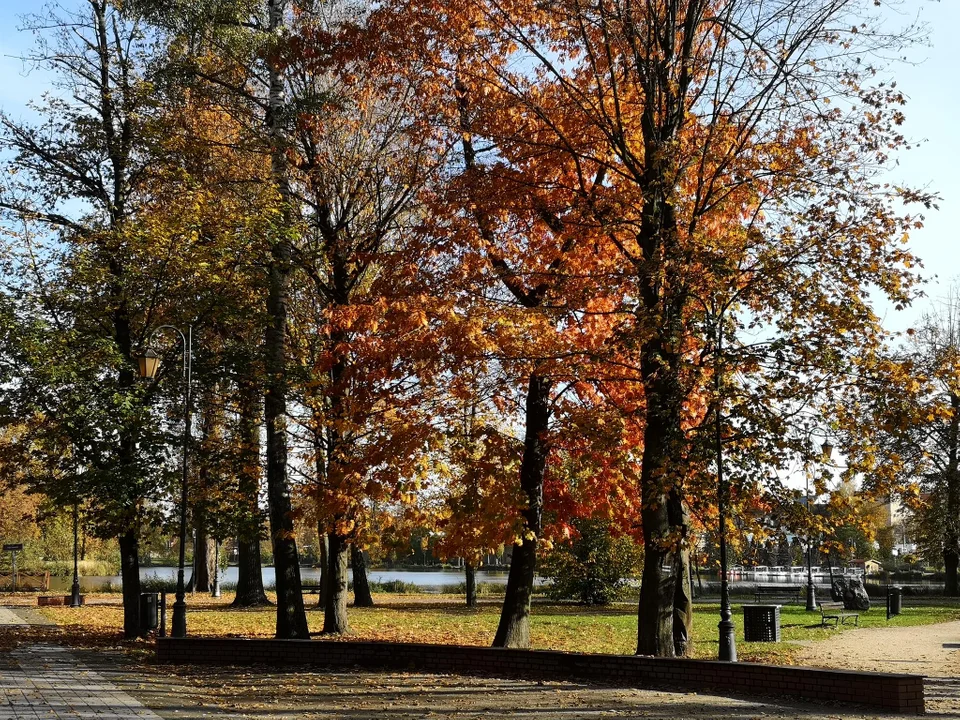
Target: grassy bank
x,y
444,619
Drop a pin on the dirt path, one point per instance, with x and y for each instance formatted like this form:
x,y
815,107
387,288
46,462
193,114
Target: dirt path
x,y
930,650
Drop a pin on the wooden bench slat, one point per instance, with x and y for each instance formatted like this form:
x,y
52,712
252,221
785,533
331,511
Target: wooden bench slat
x,y
788,593
837,612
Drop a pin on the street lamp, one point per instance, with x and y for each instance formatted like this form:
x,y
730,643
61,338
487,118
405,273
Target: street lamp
x,y
149,363
215,592
75,588
826,450
727,638
811,592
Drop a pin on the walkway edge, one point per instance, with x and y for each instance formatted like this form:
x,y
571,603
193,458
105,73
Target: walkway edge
x,y
893,692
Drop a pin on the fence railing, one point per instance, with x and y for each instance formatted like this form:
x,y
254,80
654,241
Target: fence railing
x,y
26,581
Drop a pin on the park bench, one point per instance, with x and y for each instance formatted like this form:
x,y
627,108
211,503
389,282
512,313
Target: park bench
x,y
310,589
56,600
835,611
784,593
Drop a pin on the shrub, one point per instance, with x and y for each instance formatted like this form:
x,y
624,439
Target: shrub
x,y
64,568
594,568
483,588
394,586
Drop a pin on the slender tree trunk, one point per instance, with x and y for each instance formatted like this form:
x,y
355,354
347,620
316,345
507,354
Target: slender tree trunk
x,y
324,566
130,579
335,612
200,582
320,461
250,591
683,588
951,544
361,588
291,616
471,572
514,627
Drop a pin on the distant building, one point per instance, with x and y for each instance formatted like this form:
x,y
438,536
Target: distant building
x,y
869,567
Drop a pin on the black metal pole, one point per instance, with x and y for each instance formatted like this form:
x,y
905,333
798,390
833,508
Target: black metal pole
x,y
179,628
811,592
728,642
162,630
215,592
75,589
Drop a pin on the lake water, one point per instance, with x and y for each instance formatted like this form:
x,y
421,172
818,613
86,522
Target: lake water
x,y
432,580
435,580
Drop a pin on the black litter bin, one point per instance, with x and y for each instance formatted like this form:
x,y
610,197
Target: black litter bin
x,y
761,623
894,600
149,602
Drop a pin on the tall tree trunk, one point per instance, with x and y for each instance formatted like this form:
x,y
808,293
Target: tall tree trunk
x,y
324,563
200,582
320,461
683,587
291,616
951,540
250,591
471,572
335,612
662,627
130,579
514,627
361,588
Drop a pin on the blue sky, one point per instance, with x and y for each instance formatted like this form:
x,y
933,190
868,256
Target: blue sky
x,y
931,83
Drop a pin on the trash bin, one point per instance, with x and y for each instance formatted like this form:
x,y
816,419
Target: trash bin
x,y
149,602
761,623
894,600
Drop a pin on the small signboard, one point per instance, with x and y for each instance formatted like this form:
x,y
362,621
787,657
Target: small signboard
x,y
13,547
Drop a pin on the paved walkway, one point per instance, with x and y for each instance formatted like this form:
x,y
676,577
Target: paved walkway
x,y
929,650
48,681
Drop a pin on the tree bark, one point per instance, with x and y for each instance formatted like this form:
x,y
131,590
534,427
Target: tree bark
x,y
471,572
951,541
514,627
324,569
250,592
130,579
662,627
683,587
200,581
291,616
335,612
361,588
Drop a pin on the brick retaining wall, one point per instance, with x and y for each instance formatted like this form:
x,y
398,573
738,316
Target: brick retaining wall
x,y
897,693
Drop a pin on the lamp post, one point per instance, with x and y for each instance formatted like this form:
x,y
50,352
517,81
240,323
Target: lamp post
x,y
728,642
75,588
149,363
811,592
215,592
826,450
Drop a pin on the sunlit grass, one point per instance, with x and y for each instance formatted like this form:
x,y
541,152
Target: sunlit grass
x,y
445,619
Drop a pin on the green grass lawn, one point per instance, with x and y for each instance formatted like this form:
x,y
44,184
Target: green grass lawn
x,y
444,619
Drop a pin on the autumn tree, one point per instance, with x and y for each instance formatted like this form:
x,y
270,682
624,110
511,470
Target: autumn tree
x,y
916,416
76,179
476,512
234,54
718,153
362,162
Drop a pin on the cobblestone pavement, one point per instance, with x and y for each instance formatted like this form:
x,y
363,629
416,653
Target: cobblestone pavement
x,y
48,681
